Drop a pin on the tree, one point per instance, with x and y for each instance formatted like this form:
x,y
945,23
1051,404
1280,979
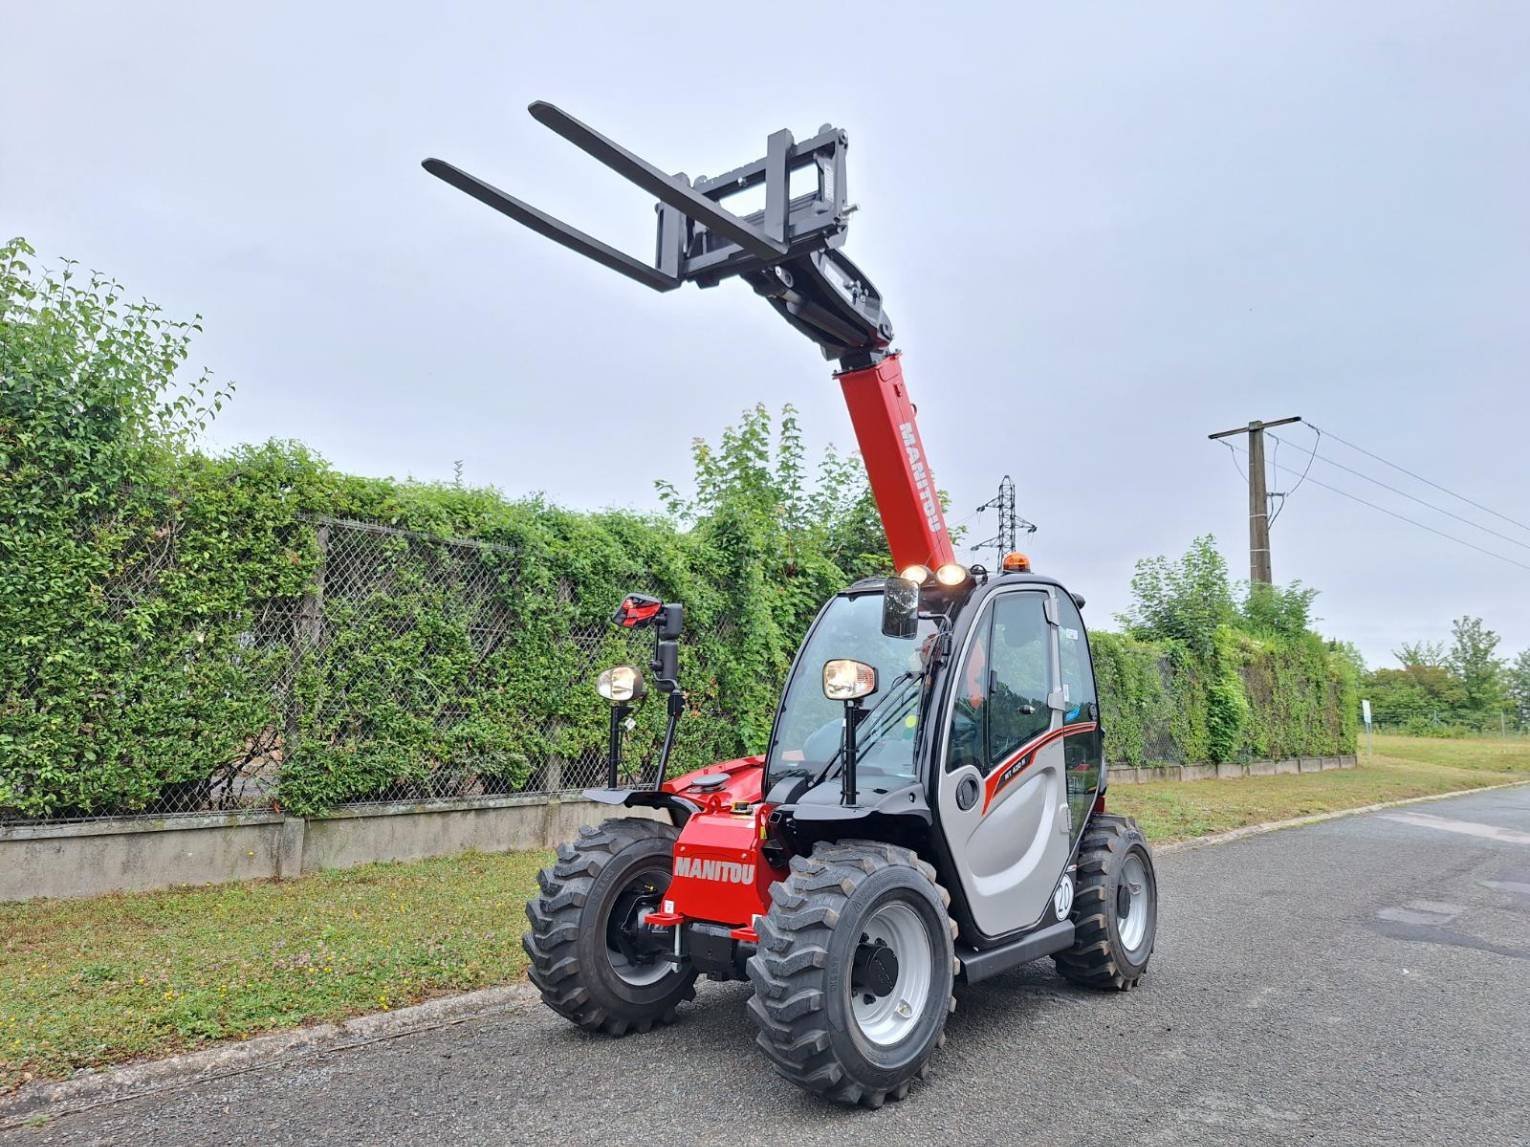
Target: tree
x,y
1350,652
780,543
1475,664
1282,611
1184,600
1519,687
1416,695
1429,654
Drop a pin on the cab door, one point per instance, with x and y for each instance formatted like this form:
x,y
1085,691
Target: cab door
x,y
1002,787
1083,740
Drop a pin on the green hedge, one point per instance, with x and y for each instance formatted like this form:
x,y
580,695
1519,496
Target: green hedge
x,y
177,655
1250,698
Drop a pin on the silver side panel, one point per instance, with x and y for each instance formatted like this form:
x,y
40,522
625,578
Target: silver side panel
x,y
1011,854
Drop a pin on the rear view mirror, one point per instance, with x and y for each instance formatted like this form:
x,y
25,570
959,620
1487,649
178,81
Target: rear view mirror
x,y
900,608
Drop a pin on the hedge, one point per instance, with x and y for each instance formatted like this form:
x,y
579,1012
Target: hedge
x,y
1252,698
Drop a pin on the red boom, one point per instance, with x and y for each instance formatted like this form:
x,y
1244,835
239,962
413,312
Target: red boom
x,y
901,481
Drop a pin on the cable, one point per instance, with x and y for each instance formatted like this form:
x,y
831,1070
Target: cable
x,y
1412,497
1410,521
1305,472
1233,454
1425,481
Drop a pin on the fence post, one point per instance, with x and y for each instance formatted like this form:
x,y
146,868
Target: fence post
x,y
306,630
552,773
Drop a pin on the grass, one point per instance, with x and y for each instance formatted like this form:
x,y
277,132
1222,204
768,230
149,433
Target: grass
x,y
1494,755
86,983
91,982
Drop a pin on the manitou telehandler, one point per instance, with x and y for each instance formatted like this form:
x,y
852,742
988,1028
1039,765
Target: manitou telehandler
x,y
931,805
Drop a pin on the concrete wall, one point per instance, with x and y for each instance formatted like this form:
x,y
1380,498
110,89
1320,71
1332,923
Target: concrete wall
x,y
1121,775
131,854
411,832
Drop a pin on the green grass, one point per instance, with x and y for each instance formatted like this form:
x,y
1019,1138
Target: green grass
x,y
89,982
93,982
1493,754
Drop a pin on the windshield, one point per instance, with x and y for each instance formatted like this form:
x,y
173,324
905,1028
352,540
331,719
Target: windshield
x,y
810,730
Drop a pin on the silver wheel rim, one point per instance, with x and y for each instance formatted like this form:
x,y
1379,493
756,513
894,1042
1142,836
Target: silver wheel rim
x,y
888,1019
1132,925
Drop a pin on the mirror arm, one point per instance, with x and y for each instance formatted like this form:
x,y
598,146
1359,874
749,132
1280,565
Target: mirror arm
x,y
847,779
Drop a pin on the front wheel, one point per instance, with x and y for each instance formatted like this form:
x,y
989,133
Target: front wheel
x,y
852,977
583,957
1115,911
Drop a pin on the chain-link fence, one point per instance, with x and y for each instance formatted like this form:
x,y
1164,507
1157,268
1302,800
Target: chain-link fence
x,y
407,668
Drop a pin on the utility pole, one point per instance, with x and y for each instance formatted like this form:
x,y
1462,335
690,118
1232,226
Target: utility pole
x,y
1258,498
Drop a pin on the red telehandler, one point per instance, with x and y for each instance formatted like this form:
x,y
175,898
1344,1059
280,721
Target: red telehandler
x,y
931,805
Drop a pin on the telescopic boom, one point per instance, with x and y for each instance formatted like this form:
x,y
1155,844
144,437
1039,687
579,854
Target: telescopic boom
x,y
789,252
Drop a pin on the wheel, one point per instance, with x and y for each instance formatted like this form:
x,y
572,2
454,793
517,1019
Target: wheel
x,y
852,978
582,959
1115,908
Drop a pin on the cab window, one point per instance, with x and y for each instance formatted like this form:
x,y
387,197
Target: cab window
x,y
1077,673
1020,678
1002,684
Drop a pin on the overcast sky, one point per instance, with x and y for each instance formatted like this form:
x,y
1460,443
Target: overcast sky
x,y
1102,232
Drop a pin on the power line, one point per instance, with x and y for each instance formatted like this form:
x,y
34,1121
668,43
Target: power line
x,y
1305,472
1414,498
1427,482
1233,454
1410,521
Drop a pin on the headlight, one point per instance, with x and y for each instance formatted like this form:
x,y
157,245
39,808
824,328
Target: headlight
x,y
621,683
846,680
951,575
916,574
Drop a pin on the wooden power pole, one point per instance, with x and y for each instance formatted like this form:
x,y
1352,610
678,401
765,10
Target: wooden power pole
x,y
1258,498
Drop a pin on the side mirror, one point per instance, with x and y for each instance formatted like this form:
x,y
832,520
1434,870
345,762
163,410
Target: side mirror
x,y
636,611
900,608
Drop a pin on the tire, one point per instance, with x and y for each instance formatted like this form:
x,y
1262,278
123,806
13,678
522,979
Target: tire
x,y
1111,947
576,963
818,942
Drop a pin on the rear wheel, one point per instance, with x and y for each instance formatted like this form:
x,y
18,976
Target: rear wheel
x,y
852,978
1115,910
583,956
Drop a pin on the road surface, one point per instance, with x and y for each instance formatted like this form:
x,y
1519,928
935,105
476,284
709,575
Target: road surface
x,y
1364,980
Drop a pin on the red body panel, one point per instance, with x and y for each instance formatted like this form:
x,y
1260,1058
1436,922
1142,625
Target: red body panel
x,y
720,872
745,780
901,481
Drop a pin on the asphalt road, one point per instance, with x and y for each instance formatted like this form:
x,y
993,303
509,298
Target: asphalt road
x,y
1364,980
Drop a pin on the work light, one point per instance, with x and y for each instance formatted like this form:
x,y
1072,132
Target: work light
x,y
846,680
621,683
951,574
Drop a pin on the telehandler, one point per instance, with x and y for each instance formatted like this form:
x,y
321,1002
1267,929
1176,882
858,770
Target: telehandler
x,y
931,805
